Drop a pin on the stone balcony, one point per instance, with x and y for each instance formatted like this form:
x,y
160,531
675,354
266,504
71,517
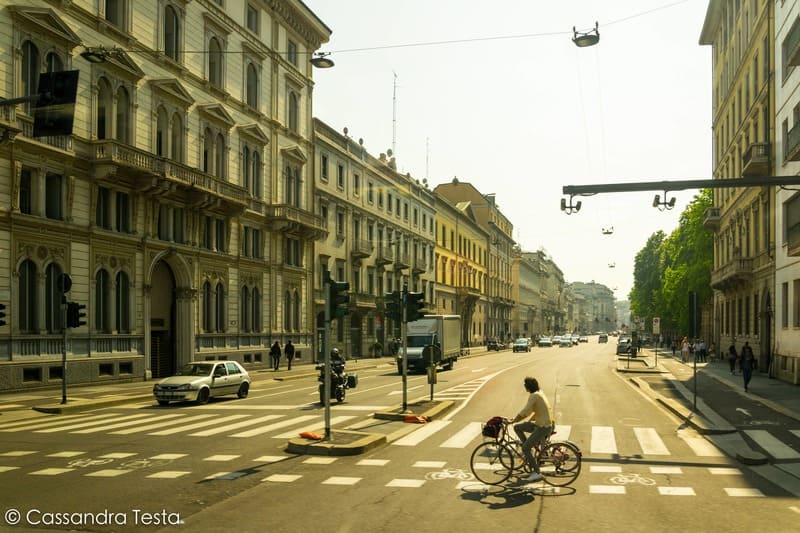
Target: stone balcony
x,y
734,273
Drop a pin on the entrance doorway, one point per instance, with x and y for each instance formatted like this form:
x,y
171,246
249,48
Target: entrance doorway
x,y
163,360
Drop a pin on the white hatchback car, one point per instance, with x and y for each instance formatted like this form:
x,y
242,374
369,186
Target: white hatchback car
x,y
200,380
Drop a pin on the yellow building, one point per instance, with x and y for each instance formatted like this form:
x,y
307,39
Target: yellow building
x,y
180,206
743,219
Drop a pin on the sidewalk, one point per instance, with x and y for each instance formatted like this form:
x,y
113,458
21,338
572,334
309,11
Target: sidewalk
x,y
713,402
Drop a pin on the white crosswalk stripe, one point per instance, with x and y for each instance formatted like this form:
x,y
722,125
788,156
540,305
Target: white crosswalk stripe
x,y
603,440
772,445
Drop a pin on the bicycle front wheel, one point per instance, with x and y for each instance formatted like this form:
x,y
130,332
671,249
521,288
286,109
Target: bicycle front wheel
x,y
492,463
560,463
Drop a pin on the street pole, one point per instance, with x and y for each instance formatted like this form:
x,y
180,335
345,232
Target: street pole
x,y
403,327
326,354
64,349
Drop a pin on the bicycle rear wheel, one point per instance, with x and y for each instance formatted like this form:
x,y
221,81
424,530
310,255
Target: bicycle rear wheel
x,y
492,463
560,463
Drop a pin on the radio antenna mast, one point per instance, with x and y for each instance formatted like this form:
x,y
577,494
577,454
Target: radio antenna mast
x,y
394,115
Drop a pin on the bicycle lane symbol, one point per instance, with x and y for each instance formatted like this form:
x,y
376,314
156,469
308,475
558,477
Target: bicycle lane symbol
x,y
626,479
450,473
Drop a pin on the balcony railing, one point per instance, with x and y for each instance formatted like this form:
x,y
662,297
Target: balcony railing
x,y
711,218
294,220
732,273
385,255
361,248
420,265
402,260
756,160
62,142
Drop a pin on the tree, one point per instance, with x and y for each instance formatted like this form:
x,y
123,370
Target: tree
x,y
647,277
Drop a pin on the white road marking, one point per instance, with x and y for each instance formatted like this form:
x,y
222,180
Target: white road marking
x,y
676,491
724,471
235,425
125,424
204,423
463,437
412,439
276,425
744,492
429,464
282,478
372,462
51,471
169,474
406,483
650,442
148,427
88,424
606,489
771,445
603,440
341,480
108,473
605,469
701,447
666,470
23,425
221,457
320,460
561,433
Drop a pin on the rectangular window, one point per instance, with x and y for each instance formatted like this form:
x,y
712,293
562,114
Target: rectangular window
x,y
163,222
252,18
747,316
103,208
246,242
324,167
380,199
356,184
785,305
54,194
370,197
26,192
221,235
340,224
291,52
415,220
340,176
123,215
796,303
208,233
389,203
177,225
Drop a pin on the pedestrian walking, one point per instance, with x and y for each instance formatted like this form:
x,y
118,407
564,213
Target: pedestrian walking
x,y
288,351
747,363
732,357
702,351
275,355
685,349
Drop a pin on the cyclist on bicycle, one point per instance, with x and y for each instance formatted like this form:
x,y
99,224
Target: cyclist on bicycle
x,y
538,426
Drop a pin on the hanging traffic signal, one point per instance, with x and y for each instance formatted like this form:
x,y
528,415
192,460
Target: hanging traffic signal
x,y
394,308
2,314
414,306
75,315
54,112
337,297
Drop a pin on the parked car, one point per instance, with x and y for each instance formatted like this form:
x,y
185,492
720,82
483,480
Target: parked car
x,y
545,342
494,344
521,345
574,339
200,380
623,345
583,338
565,342
602,338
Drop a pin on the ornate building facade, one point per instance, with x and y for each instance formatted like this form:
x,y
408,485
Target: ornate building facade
x,y
181,205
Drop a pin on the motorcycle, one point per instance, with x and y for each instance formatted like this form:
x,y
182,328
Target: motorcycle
x,y
340,381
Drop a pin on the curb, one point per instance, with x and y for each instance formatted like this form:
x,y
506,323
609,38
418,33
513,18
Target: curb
x,y
397,413
341,443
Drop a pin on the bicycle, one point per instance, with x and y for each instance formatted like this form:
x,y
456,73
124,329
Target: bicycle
x,y
500,456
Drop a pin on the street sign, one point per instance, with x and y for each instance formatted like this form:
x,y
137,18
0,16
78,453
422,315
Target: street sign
x,y
656,325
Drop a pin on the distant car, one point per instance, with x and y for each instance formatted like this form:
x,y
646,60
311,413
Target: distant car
x,y
521,345
574,339
602,338
565,342
623,345
544,342
200,380
494,345
583,338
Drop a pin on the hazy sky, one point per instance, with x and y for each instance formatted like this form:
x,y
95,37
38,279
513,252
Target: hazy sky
x,y
507,102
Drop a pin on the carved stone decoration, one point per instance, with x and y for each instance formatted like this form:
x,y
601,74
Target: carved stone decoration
x,y
15,186
41,253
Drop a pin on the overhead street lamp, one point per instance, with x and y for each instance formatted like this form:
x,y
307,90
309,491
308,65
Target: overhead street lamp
x,y
321,60
589,38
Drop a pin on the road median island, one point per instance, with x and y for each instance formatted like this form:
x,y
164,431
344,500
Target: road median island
x,y
77,405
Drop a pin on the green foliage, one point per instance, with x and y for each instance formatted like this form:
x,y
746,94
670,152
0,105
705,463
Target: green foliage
x,y
668,268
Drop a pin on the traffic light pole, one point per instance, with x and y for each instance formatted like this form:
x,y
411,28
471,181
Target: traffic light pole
x,y
326,360
404,337
64,349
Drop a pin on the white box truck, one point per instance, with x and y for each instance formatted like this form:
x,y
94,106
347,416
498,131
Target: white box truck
x,y
442,332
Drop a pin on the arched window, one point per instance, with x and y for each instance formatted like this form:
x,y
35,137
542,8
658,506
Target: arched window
x,y
171,33
219,156
215,62
104,106
294,112
123,324
27,308
123,113
101,300
177,138
252,86
220,325
162,131
256,302
244,309
30,71
246,168
208,308
54,316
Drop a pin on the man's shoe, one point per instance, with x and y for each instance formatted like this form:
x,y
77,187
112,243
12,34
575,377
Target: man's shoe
x,y
535,476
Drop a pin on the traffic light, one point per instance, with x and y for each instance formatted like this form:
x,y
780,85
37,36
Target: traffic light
x,y
337,297
75,315
55,111
2,314
414,305
394,308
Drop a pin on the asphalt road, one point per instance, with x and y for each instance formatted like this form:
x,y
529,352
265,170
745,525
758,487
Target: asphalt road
x,y
223,467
